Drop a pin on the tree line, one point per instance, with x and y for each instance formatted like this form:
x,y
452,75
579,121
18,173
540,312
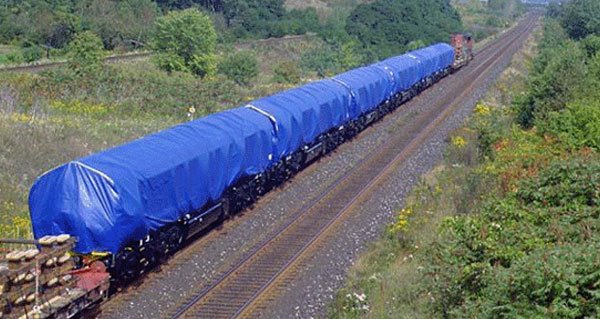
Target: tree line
x,y
371,31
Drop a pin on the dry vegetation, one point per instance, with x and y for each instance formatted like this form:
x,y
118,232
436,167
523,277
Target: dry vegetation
x,y
325,7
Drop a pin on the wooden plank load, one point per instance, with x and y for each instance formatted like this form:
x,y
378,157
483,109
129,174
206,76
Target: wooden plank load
x,y
32,279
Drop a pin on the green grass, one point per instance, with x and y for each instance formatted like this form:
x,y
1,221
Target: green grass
x,y
9,54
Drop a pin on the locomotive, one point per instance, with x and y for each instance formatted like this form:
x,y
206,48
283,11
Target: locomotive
x,y
131,205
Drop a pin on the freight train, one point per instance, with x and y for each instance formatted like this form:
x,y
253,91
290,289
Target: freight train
x,y
131,205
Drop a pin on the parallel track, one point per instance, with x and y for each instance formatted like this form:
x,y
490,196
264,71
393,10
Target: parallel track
x,y
34,68
242,290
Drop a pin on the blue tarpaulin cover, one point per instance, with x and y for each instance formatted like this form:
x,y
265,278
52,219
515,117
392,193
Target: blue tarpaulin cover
x,y
406,71
298,119
435,57
332,100
117,195
369,85
109,198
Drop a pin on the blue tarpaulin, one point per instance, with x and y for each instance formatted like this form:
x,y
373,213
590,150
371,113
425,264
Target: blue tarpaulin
x,y
333,101
435,57
369,86
109,198
406,71
120,194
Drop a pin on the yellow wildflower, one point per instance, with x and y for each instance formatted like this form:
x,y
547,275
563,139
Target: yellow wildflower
x,y
458,141
482,109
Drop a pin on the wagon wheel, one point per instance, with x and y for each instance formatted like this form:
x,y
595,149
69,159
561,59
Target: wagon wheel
x,y
128,265
171,239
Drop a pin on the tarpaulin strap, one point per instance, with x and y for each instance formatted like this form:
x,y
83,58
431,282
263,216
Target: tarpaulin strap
x,y
390,72
268,115
112,182
84,166
344,84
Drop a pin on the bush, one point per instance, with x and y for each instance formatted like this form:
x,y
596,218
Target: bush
x,y
386,26
287,72
85,53
240,67
576,126
482,265
185,41
555,77
581,18
591,45
561,282
331,59
32,53
322,60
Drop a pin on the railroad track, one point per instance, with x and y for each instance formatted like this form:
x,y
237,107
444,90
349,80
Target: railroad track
x,y
246,288
33,68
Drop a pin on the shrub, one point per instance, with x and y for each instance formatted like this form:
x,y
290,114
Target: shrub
x,y
240,67
581,18
553,82
577,126
185,41
574,183
32,53
287,72
85,53
591,45
561,282
322,60
483,266
386,27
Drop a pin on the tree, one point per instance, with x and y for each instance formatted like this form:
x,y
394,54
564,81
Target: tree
x,y
85,53
582,18
387,26
119,22
185,41
240,67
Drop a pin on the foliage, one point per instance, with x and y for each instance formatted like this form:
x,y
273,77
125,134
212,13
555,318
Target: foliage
x,y
591,44
55,23
556,76
85,54
555,208
32,53
385,27
254,18
332,59
119,23
186,41
240,67
577,125
581,18
287,72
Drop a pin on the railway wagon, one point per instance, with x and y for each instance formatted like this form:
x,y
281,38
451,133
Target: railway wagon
x,y
136,202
